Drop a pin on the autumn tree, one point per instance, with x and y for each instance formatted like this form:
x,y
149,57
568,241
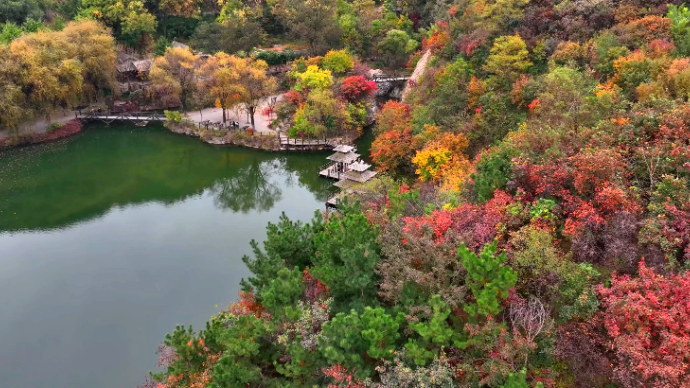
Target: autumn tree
x,y
253,84
313,79
186,8
338,61
232,80
356,87
396,47
13,106
495,15
218,79
395,144
173,77
321,115
393,116
130,19
230,36
313,21
443,160
50,70
50,76
509,57
94,47
415,265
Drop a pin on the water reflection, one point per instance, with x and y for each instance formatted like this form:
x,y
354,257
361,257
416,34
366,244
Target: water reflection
x,y
60,184
128,233
254,187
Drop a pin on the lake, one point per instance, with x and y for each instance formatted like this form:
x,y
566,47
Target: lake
x,y
112,237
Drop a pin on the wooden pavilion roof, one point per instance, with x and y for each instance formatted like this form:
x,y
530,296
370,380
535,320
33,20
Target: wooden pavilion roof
x,y
359,166
360,177
343,148
347,158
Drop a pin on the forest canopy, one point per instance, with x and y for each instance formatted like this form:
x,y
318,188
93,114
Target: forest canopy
x,y
530,226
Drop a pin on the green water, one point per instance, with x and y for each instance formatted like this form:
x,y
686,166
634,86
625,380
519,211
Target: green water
x,y
110,238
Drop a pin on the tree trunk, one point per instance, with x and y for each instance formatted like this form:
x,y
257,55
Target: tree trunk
x,y
223,106
251,114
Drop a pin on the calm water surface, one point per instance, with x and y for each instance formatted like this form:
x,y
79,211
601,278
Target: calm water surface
x,y
111,238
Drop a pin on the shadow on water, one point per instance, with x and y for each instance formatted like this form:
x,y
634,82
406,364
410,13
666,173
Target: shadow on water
x,y
73,180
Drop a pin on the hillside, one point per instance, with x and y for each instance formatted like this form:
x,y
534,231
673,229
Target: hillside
x,y
531,226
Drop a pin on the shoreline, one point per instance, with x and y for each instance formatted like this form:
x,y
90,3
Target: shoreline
x,y
262,141
68,129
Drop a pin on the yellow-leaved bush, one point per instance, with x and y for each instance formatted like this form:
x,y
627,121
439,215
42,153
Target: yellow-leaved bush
x,y
443,160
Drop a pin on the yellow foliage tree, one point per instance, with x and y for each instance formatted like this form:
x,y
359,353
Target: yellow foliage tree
x,y
173,77
233,80
443,161
314,78
51,70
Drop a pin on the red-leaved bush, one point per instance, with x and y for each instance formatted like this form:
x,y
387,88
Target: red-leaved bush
x,y
648,320
356,87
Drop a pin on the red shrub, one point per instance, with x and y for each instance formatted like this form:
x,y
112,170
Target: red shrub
x,y
247,305
356,87
293,97
648,321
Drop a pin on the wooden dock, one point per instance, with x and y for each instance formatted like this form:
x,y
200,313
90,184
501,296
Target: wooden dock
x,y
330,172
286,141
332,201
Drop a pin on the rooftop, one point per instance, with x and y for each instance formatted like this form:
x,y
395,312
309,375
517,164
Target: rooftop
x,y
360,177
359,166
346,158
343,148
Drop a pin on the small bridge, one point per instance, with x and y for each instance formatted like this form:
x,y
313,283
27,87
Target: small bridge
x,y
389,78
136,117
390,85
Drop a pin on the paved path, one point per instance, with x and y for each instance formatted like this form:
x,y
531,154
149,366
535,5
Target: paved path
x,y
41,125
216,115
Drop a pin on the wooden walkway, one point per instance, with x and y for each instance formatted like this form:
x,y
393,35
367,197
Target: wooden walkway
x,y
127,116
332,201
286,141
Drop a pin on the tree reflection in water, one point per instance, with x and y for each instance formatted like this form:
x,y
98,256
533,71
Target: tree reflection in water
x,y
253,187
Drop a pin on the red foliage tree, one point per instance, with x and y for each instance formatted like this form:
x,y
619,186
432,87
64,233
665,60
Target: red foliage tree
x,y
393,116
357,87
648,321
342,377
392,151
293,97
